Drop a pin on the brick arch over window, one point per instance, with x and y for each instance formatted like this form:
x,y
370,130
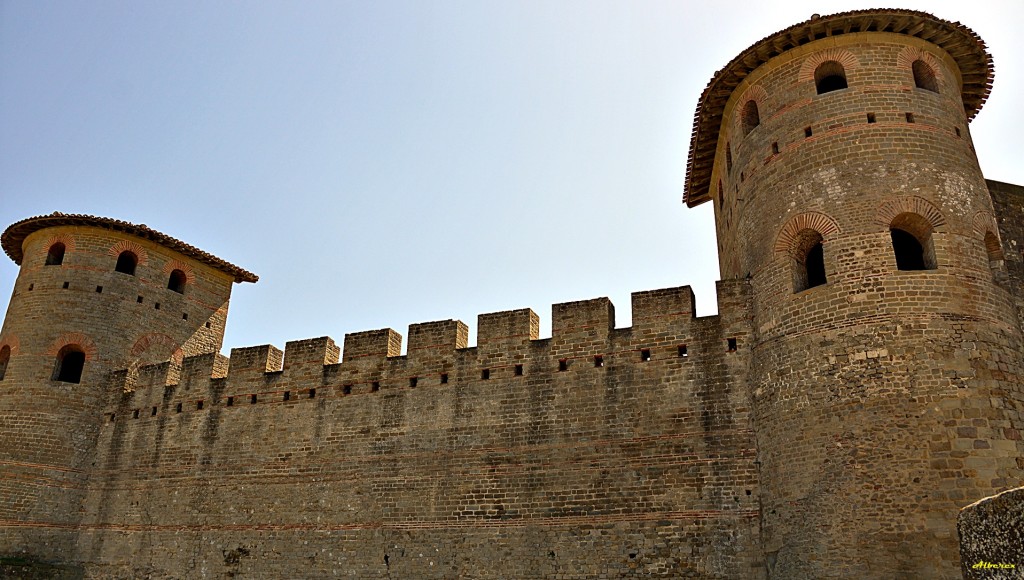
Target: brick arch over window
x,y
759,96
128,246
911,54
987,230
840,55
790,236
910,204
11,341
73,338
66,239
190,276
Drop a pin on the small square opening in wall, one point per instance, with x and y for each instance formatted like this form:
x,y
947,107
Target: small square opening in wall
x,y
99,289
287,395
156,305
775,148
152,412
956,129
207,325
252,399
645,355
347,390
444,378
184,315
67,285
135,414
177,408
599,361
112,417
563,365
199,405
519,370
683,352
32,286
910,117
231,402
138,299
808,132
375,386
412,382
731,343
312,393
485,374
871,117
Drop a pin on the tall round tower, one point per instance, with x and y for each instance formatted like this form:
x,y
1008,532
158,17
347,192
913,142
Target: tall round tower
x,y
93,295
887,361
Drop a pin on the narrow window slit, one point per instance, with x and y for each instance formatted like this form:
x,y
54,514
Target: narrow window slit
x,y
808,132
252,399
731,344
231,402
775,148
683,353
287,395
444,378
199,405
135,414
312,393
177,408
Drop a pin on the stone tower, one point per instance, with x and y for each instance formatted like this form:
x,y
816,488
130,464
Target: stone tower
x,y
886,365
93,295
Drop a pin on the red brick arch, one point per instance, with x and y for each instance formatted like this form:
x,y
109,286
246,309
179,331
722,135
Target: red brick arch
x,y
905,60
77,338
11,341
67,239
173,265
912,204
789,236
840,55
755,93
128,245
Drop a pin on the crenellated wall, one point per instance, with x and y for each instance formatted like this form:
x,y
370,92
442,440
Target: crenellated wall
x,y
640,462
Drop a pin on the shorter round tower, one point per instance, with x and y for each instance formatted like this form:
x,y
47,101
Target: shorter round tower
x,y
93,295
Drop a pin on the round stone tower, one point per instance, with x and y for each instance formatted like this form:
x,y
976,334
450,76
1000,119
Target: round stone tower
x,y
93,295
887,361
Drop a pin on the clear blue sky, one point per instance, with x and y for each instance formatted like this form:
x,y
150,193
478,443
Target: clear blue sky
x,y
385,163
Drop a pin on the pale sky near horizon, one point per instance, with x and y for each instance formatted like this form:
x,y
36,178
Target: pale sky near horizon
x,y
379,164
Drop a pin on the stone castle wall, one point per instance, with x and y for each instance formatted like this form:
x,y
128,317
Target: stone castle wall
x,y
635,460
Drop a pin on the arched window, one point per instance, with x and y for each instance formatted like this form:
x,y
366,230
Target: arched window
x,y
176,281
808,261
721,195
995,253
126,262
750,117
70,362
5,357
924,76
55,255
912,242
829,76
